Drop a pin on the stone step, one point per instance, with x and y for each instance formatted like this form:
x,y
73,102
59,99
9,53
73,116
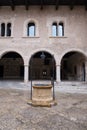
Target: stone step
x,y
67,87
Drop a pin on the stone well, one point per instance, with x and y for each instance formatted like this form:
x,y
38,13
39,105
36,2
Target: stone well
x,y
42,95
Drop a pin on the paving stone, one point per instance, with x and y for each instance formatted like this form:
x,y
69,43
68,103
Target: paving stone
x,y
70,113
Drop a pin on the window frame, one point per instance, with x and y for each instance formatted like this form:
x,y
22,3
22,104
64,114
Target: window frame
x,y
9,29
5,29
54,29
61,24
59,31
31,27
2,29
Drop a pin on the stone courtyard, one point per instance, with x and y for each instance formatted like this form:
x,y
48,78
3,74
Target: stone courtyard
x,y
70,113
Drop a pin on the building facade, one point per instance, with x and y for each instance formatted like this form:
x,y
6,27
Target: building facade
x,y
43,43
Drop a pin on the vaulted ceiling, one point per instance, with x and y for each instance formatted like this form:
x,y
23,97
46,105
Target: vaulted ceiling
x,y
42,3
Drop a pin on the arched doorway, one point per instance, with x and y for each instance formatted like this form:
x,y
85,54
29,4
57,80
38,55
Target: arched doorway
x,y
42,66
73,66
11,66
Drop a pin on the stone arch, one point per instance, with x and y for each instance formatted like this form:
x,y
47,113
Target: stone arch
x,y
42,66
71,50
45,50
73,66
11,50
11,65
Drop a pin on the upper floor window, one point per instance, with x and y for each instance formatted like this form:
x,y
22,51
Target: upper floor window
x,y
54,29
31,29
5,29
9,29
57,29
60,29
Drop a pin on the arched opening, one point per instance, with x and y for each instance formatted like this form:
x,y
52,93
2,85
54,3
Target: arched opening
x,y
31,29
60,29
42,66
11,66
73,66
54,29
9,29
3,29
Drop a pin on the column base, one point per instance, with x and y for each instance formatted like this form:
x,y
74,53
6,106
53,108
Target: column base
x,y
42,104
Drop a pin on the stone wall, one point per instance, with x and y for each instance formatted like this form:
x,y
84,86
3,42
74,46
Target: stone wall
x,y
75,31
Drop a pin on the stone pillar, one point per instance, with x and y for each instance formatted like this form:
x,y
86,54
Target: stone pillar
x,y
86,70
58,73
26,73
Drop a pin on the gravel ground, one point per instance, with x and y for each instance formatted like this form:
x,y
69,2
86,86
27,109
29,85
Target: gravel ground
x,y
70,113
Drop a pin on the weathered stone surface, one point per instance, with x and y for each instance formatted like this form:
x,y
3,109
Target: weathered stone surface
x,y
42,95
15,114
74,39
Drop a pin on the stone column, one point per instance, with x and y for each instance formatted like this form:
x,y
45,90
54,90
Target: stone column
x,y
26,73
58,73
86,70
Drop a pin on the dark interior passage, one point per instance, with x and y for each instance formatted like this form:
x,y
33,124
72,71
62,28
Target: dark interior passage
x,y
73,67
42,66
11,66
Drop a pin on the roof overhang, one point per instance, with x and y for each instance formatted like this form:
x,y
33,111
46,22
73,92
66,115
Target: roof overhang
x,y
41,3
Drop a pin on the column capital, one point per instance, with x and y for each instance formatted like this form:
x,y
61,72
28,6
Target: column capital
x,y
58,65
26,65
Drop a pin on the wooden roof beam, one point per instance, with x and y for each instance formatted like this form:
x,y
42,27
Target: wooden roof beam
x,y
85,1
86,7
72,3
12,4
57,4
41,4
27,4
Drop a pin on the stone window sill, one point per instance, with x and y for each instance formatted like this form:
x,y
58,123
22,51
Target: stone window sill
x,y
57,37
30,37
6,37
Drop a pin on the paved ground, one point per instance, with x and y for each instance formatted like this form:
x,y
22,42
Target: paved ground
x,y
66,87
15,114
